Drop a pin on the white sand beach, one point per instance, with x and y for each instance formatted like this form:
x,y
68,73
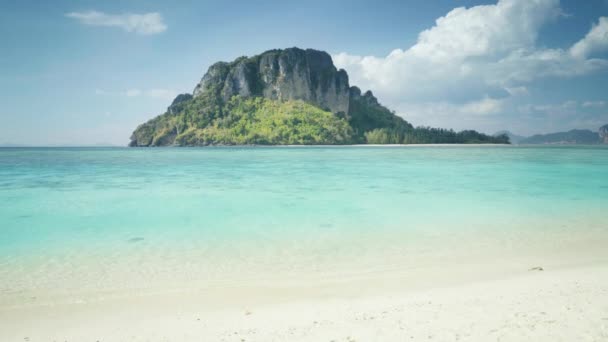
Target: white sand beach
x,y
561,302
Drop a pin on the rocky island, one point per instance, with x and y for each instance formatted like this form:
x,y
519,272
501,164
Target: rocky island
x,y
285,97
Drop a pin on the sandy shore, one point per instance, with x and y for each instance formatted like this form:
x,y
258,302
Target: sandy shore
x,y
553,304
474,287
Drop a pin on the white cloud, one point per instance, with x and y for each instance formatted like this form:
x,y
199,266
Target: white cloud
x,y
565,108
157,93
485,30
517,91
133,92
594,104
473,47
482,107
166,94
595,41
147,23
471,60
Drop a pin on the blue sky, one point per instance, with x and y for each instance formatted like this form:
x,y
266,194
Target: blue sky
x,y
88,72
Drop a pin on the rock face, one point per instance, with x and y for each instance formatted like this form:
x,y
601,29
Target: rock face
x,y
604,134
177,104
290,74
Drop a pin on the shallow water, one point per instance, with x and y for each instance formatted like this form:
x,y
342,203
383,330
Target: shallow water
x,y
104,219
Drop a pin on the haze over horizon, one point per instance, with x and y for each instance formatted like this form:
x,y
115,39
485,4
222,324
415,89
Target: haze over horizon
x,y
83,73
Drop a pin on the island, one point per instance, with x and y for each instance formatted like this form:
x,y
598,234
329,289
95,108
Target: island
x,y
286,97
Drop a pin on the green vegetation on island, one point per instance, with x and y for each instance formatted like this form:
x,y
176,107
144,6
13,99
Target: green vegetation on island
x,y
262,121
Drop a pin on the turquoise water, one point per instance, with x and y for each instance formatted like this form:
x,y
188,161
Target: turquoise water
x,y
85,214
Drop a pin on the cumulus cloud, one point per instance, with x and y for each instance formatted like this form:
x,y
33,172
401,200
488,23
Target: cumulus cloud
x,y
595,41
147,23
473,58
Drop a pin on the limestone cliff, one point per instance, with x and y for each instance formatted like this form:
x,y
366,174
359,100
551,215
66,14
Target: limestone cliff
x,y
290,74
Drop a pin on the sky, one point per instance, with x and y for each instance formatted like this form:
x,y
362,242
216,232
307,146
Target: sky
x,y
88,72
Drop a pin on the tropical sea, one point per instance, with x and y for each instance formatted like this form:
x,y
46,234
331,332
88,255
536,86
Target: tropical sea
x,y
79,223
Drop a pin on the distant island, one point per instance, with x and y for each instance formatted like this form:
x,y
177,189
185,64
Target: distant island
x,y
286,97
571,137
513,138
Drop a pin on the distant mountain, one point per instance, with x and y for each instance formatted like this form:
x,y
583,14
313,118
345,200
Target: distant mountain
x,y
513,138
575,136
280,97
